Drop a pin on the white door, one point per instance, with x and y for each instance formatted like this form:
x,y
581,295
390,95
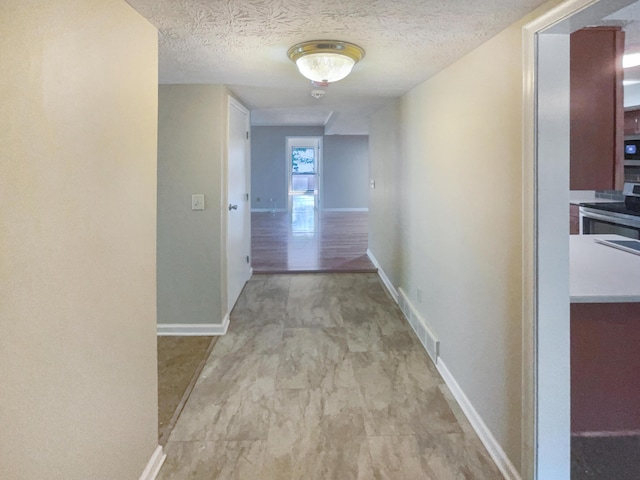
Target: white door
x,y
238,211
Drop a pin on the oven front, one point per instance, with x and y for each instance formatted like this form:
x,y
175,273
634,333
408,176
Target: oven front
x,y
594,222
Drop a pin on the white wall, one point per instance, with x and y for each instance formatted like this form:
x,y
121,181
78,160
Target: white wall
x,y
459,158
632,95
385,200
78,131
191,142
345,172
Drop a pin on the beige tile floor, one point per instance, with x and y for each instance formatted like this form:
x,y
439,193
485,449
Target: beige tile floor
x,y
319,377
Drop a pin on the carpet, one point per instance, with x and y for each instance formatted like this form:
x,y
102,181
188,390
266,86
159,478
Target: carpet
x,y
180,362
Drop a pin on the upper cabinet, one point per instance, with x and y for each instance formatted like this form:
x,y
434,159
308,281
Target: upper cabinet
x,y
597,109
632,122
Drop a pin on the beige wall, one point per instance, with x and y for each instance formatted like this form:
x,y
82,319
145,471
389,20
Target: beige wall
x,y
385,204
459,156
78,102
191,253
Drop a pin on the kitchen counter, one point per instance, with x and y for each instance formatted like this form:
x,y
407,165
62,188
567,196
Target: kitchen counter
x,y
602,274
605,359
578,197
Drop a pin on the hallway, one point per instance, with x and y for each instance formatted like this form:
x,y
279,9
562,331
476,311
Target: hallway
x,y
319,377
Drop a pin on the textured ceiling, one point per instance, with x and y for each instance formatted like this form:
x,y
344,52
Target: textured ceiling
x,y
243,44
629,19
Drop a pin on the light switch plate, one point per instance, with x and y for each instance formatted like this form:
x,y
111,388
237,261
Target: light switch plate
x,y
197,201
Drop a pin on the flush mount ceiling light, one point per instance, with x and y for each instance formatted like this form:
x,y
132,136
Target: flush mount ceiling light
x,y
325,61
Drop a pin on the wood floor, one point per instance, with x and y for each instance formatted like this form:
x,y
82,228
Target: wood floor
x,y
320,377
306,240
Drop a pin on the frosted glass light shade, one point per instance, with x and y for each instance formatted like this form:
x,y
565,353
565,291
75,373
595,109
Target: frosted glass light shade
x,y
325,67
325,61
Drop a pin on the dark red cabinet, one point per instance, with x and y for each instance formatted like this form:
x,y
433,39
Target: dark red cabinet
x,y
597,109
632,122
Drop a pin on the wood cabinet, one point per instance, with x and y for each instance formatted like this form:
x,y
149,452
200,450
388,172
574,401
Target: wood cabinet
x,y
605,361
597,109
632,122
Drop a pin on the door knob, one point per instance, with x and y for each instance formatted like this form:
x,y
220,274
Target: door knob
x,y
233,207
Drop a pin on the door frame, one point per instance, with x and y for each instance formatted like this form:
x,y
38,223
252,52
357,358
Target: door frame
x,y
319,168
545,262
231,104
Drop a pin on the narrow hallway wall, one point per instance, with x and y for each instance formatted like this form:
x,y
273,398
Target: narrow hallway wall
x,y
78,139
191,132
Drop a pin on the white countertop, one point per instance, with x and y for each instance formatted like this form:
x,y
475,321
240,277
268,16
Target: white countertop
x,y
577,197
602,274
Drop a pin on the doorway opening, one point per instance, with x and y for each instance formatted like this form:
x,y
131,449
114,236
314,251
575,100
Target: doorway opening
x,y
303,160
547,333
323,227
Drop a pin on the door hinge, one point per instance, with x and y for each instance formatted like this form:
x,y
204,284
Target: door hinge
x,y
247,135
246,197
247,258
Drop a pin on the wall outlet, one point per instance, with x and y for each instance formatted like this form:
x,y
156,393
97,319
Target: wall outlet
x,y
197,201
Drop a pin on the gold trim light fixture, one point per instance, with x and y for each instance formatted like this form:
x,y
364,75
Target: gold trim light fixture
x,y
325,61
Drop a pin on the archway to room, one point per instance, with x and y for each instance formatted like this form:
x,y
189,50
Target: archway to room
x,y
550,258
310,197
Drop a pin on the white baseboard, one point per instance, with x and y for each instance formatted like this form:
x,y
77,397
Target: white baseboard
x,y
424,332
155,464
383,276
281,210
487,438
345,209
193,329
432,346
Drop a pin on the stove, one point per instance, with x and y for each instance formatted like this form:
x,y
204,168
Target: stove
x,y
621,218
617,207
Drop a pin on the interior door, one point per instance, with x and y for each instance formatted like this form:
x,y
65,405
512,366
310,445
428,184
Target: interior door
x,y
238,212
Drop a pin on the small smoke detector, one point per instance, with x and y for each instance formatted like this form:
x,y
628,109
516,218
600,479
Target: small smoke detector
x,y
317,94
